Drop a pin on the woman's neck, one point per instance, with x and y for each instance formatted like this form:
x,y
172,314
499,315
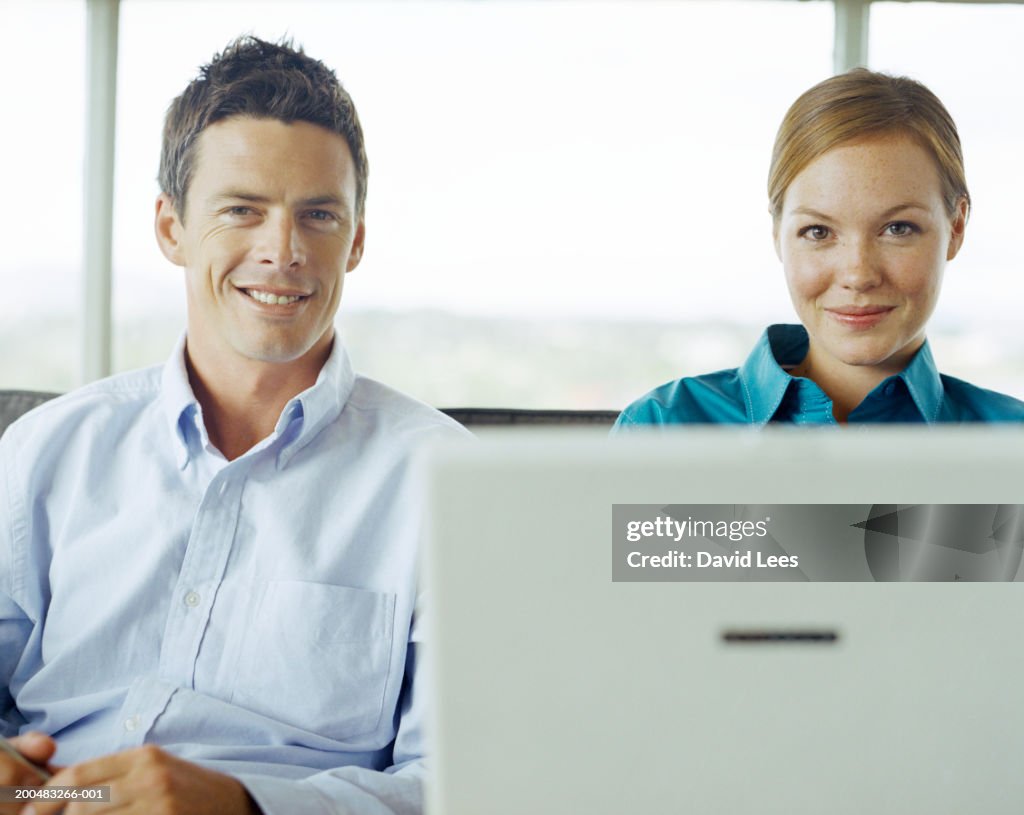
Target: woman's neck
x,y
845,384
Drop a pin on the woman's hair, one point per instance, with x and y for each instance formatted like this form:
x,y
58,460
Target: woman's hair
x,y
862,104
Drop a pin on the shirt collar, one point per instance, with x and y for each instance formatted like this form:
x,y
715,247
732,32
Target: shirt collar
x,y
302,418
924,382
765,380
179,403
318,406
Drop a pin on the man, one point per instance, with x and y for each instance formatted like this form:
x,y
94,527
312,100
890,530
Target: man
x,y
208,569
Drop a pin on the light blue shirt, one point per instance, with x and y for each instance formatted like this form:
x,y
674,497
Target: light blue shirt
x,y
762,391
258,617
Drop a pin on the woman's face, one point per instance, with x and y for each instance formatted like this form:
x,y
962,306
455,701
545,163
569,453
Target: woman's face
x,y
863,237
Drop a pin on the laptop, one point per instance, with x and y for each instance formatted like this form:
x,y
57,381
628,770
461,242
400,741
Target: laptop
x,y
567,680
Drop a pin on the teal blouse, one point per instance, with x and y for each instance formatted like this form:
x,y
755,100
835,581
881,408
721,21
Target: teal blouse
x,y
762,391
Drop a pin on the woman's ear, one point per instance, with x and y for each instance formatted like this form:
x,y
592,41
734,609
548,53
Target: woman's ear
x,y
168,228
959,225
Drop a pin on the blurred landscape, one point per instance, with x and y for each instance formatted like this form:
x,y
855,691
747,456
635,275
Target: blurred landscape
x,y
451,360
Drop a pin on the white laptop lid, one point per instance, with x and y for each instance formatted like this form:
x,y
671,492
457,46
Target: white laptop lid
x,y
558,690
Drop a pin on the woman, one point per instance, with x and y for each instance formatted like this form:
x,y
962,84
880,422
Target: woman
x,y
869,202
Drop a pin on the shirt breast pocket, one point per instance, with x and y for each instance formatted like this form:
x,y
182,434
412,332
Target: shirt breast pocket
x,y
317,656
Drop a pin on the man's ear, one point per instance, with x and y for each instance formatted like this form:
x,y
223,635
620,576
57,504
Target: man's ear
x,y
358,241
168,228
959,226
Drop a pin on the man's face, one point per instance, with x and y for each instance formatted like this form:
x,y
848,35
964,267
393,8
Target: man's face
x,y
268,233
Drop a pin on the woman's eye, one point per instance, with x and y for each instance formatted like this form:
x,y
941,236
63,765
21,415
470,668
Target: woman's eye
x,y
900,229
815,233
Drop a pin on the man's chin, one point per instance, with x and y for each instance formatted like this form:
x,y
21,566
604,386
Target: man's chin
x,y
274,353
276,357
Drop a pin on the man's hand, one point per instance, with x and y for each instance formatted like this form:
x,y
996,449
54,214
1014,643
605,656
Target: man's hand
x,y
148,781
38,749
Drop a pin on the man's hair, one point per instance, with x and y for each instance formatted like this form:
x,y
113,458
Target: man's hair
x,y
863,104
260,80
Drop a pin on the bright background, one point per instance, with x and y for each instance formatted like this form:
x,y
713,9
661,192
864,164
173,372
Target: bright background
x,y
567,199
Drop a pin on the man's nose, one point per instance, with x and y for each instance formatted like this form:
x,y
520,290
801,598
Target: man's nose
x,y
280,243
860,265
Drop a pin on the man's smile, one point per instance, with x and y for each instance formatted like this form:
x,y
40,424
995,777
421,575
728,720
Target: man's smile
x,y
271,298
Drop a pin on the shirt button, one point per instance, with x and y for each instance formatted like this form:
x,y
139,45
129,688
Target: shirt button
x,y
131,723
192,599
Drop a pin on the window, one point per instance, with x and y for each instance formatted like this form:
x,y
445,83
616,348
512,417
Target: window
x,y
969,54
548,181
42,142
567,199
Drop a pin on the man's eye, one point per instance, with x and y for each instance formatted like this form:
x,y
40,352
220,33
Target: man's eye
x,y
240,212
320,215
817,232
901,229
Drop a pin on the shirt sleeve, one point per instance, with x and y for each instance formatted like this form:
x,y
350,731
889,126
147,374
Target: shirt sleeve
x,y
397,790
15,625
638,414
623,423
